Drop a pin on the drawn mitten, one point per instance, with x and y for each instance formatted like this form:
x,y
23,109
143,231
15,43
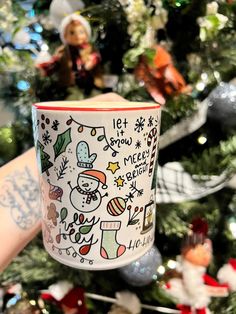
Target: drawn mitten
x,y
85,160
110,248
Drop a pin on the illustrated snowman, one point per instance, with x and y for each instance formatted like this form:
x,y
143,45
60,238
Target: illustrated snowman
x,y
86,197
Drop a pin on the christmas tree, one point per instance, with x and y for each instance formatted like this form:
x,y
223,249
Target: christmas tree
x,y
44,158
178,53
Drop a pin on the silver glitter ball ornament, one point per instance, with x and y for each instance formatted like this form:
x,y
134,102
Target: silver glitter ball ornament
x,y
222,105
142,271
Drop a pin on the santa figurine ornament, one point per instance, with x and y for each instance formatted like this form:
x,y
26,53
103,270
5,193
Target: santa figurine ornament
x,y
76,61
193,288
70,299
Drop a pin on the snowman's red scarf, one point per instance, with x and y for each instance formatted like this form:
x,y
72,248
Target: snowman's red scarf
x,y
90,195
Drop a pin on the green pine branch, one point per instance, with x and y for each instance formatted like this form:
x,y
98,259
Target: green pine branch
x,y
224,305
214,161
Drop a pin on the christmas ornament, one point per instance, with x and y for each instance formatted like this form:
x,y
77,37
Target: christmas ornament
x,y
142,272
227,274
60,8
152,17
7,17
116,206
231,224
70,299
192,288
76,61
23,306
160,77
126,303
222,106
21,38
212,23
55,192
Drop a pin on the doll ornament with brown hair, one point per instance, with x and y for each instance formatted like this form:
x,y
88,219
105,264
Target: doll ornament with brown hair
x,y
76,61
193,288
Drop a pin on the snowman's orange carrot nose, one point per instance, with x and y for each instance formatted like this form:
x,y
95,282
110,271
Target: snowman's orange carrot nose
x,y
85,185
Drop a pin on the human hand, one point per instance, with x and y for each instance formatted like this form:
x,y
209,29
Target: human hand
x,y
19,199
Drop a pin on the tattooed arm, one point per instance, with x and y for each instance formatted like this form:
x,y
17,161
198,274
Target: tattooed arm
x,y
19,205
19,200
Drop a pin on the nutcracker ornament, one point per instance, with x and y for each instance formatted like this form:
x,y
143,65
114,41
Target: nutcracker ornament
x,y
76,61
191,286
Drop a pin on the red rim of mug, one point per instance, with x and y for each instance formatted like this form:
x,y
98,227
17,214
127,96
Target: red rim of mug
x,y
68,108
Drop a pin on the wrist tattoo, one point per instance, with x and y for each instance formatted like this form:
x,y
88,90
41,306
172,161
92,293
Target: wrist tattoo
x,y
20,195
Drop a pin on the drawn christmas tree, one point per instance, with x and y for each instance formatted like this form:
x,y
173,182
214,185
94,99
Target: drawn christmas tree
x,y
43,158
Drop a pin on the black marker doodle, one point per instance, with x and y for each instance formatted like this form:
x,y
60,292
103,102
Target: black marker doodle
x,y
46,138
43,157
134,190
86,197
139,125
132,216
138,144
61,172
55,192
93,132
70,250
55,125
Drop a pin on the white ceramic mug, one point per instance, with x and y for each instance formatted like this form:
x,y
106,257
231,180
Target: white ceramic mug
x,y
97,165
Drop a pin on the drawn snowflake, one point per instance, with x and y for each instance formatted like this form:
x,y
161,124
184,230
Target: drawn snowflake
x,y
130,197
150,121
139,125
138,144
46,138
55,125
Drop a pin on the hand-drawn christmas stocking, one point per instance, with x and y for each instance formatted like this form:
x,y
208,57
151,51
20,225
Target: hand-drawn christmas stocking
x,y
110,248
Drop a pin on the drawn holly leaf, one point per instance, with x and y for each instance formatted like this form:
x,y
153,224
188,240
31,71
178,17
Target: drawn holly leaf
x,y
62,141
85,229
133,222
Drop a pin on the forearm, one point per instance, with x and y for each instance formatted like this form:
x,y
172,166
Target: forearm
x,y
19,205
